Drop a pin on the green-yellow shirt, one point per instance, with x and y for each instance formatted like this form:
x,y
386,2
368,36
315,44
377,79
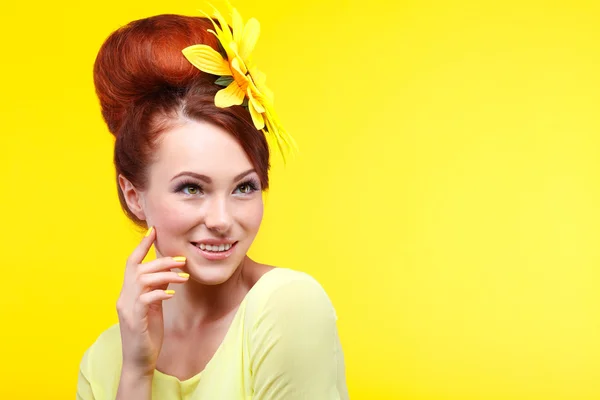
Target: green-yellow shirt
x,y
282,344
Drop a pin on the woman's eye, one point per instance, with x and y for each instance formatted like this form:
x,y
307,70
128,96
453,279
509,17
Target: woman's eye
x,y
245,188
191,190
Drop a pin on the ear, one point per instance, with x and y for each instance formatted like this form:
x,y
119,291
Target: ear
x,y
133,198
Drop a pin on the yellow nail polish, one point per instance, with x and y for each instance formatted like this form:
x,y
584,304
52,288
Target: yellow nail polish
x,y
179,259
169,291
149,231
183,275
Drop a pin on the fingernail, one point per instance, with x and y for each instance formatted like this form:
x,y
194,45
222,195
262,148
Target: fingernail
x,y
149,231
179,259
183,275
169,291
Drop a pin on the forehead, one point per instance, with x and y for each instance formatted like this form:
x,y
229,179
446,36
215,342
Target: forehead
x,y
200,147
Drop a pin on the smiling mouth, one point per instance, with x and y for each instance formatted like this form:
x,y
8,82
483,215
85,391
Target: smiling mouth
x,y
215,248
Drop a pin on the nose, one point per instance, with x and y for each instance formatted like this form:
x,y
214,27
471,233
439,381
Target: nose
x,y
218,219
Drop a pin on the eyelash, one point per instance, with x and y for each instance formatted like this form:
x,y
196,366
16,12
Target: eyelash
x,y
251,183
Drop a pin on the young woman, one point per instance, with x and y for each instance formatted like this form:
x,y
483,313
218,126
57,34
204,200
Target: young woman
x,y
191,116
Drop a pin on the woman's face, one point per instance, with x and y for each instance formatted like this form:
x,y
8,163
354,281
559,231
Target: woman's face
x,y
204,200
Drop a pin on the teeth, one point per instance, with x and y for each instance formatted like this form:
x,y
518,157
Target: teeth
x,y
215,248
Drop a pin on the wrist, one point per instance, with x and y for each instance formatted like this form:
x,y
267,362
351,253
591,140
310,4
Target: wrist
x,y
134,384
131,373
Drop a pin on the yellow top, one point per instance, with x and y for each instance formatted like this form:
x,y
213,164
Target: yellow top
x,y
282,344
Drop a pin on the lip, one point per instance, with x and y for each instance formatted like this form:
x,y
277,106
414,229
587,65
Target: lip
x,y
214,242
212,256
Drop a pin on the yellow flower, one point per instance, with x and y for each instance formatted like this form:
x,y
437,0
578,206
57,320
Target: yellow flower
x,y
245,80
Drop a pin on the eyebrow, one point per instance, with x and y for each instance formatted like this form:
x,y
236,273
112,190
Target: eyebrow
x,y
207,179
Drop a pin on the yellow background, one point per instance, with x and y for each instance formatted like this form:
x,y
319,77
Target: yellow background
x,y
447,192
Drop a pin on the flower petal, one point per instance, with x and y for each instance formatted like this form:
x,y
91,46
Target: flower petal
x,y
206,59
221,31
217,31
234,48
232,95
259,80
237,24
254,101
257,118
257,75
273,125
225,31
239,67
249,38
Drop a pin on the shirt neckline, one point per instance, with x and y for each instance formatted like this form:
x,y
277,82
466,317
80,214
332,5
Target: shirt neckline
x,y
194,379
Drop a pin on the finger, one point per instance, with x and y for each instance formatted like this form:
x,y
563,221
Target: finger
x,y
158,279
161,264
154,296
142,249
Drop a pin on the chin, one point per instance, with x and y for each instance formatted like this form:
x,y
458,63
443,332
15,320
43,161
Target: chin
x,y
211,275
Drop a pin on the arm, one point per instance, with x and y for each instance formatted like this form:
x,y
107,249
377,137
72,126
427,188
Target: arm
x,y
84,387
122,361
131,386
134,386
295,346
84,383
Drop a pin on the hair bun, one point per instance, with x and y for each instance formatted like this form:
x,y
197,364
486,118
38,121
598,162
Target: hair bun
x,y
143,58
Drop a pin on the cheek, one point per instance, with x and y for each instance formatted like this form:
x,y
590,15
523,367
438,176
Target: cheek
x,y
171,220
250,215
169,216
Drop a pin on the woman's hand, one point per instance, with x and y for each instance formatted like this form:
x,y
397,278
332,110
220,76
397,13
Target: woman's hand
x,y
140,307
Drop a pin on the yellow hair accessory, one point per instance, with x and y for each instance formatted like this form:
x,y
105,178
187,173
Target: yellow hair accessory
x,y
244,84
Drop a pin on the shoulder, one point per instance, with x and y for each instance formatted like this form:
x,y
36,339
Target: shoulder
x,y
102,361
290,293
282,283
293,344
107,343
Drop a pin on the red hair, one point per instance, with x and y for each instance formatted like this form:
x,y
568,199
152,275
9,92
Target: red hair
x,y
145,86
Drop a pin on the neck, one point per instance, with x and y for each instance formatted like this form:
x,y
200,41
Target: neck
x,y
195,304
